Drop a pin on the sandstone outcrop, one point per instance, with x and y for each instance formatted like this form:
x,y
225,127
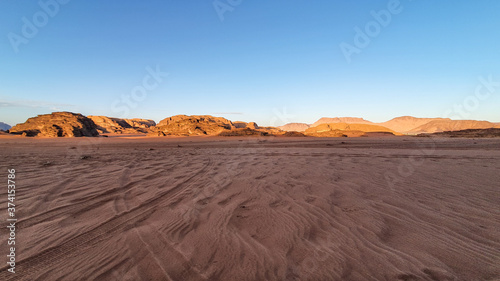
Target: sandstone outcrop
x,y
412,125
346,130
293,134
297,127
451,125
122,126
57,124
252,125
348,120
405,124
240,124
195,125
469,133
243,132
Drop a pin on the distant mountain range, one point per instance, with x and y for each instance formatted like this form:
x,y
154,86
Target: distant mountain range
x,y
405,124
68,124
4,126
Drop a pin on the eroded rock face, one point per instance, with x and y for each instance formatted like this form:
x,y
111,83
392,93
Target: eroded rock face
x,y
243,132
297,127
469,133
140,123
122,126
293,134
240,124
452,125
405,124
252,125
346,130
57,124
348,120
195,125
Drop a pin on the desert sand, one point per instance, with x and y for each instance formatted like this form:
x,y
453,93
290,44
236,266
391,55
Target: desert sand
x,y
214,208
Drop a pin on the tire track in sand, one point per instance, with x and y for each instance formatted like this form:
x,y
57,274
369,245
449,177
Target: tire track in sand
x,y
91,203
27,269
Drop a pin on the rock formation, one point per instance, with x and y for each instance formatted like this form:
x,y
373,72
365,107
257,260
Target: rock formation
x,y
469,133
346,130
195,125
252,125
406,124
242,132
122,126
293,134
67,124
140,123
348,120
183,125
240,124
451,125
413,125
297,127
57,124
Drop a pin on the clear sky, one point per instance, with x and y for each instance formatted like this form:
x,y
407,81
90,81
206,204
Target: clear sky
x,y
271,62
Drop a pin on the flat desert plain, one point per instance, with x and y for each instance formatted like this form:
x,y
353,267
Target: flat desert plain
x,y
194,208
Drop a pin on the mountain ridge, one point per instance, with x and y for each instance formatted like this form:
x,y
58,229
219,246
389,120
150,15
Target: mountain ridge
x,y
4,126
67,124
403,124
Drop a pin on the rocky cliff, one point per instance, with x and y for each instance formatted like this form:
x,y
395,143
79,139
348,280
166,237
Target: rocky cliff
x,y
469,133
348,120
405,124
346,130
207,125
451,125
297,127
122,126
412,125
195,125
57,124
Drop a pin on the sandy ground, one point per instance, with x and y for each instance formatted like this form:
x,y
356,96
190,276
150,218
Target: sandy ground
x,y
192,208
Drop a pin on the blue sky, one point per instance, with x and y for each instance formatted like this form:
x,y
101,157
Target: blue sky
x,y
271,62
